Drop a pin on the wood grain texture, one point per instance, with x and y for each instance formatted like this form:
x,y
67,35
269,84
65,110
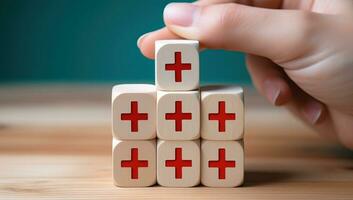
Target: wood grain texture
x,y
71,159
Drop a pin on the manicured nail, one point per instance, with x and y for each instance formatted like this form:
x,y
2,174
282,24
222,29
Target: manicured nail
x,y
139,41
180,14
312,111
272,91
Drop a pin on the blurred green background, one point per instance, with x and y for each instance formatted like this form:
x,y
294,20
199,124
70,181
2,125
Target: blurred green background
x,y
91,41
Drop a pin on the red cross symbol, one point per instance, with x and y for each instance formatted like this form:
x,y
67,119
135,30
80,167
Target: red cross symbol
x,y
178,116
134,116
177,66
134,163
221,163
221,116
178,163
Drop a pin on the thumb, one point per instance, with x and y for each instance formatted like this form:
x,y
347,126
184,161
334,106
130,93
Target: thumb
x,y
276,34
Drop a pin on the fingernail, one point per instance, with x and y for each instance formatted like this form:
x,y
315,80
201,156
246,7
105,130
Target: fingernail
x,y
312,111
140,39
272,91
180,14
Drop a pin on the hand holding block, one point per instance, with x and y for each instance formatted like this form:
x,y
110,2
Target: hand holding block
x,y
177,64
134,163
134,111
178,115
178,163
222,116
222,163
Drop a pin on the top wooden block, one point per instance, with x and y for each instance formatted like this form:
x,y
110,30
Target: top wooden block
x,y
177,65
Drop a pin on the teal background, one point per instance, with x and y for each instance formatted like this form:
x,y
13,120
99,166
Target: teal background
x,y
91,41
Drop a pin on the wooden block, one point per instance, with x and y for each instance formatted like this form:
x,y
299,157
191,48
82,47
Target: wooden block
x,y
178,115
134,163
177,64
178,163
222,116
134,111
222,163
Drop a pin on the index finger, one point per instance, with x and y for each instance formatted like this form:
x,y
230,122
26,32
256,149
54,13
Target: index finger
x,y
146,41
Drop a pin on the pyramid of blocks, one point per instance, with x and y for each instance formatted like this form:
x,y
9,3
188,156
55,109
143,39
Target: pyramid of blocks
x,y
175,133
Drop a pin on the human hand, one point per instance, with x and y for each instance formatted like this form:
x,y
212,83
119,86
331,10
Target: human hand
x,y
299,53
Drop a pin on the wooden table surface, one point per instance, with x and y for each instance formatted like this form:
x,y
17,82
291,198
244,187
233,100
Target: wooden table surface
x,y
55,143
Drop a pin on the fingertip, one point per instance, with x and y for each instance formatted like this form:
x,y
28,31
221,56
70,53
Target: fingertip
x,y
147,51
313,111
146,42
145,45
277,91
179,14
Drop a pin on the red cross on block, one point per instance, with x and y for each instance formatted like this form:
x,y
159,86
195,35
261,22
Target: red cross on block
x,y
221,116
221,163
134,163
178,66
178,163
178,116
134,116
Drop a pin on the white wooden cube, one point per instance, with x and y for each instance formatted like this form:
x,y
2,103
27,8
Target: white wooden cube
x,y
178,115
177,64
222,163
134,163
134,111
222,112
178,163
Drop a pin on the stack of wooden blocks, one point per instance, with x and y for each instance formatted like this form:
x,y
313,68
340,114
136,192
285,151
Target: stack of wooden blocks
x,y
178,113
